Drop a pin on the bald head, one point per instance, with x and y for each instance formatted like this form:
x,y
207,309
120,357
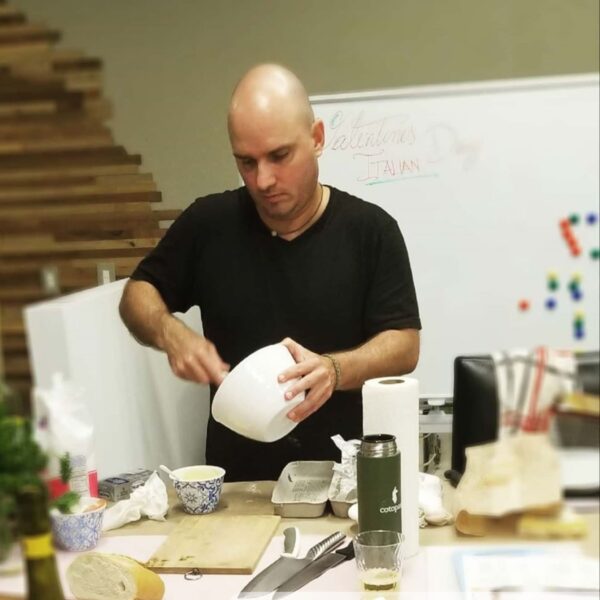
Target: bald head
x,y
276,142
267,90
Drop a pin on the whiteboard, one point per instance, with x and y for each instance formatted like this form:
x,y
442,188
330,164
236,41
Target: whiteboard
x,y
478,177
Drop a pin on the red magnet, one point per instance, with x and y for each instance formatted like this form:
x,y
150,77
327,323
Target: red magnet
x,y
523,305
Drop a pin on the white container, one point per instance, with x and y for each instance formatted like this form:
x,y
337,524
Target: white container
x,y
251,401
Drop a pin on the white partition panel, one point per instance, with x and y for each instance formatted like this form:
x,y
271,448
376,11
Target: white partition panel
x,y
143,415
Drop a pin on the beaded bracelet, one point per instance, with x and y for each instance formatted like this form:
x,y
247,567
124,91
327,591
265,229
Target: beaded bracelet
x,y
336,368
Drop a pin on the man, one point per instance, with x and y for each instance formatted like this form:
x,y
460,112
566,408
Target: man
x,y
283,257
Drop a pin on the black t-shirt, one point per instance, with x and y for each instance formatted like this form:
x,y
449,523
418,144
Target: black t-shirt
x,y
332,288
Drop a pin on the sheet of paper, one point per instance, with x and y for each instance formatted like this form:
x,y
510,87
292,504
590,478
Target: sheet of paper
x,y
527,573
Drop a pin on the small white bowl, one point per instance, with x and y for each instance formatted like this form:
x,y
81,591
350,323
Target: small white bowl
x,y
198,487
251,401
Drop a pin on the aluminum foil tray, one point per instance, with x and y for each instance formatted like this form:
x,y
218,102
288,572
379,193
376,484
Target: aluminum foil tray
x,y
302,488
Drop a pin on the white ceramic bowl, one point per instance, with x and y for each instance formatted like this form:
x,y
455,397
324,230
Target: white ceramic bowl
x,y
198,487
251,402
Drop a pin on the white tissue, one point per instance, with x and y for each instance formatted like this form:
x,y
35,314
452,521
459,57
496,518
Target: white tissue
x,y
149,500
430,500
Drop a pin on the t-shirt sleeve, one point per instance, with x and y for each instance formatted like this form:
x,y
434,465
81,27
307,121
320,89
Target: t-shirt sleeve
x,y
169,266
391,298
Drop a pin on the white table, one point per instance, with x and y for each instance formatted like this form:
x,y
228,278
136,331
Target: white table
x,y
430,574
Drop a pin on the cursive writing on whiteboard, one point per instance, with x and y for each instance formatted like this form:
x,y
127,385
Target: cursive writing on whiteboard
x,y
397,147
358,133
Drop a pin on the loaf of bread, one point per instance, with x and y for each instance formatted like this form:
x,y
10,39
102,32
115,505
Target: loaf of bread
x,y
99,576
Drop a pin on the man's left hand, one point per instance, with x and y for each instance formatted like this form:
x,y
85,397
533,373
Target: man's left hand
x,y
316,377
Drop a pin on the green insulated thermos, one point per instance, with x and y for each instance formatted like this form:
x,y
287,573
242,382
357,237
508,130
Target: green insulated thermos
x,y
378,483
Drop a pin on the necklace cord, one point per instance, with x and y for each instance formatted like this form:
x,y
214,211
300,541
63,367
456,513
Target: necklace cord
x,y
275,233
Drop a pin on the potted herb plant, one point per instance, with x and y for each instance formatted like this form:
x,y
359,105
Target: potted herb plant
x,y
21,461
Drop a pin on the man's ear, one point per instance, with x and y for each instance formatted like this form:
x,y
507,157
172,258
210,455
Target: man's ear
x,y
318,136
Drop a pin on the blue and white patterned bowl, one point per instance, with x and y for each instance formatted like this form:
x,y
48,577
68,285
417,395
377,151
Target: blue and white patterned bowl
x,y
80,531
198,488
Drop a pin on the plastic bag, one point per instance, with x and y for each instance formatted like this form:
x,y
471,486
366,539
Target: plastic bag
x,y
65,432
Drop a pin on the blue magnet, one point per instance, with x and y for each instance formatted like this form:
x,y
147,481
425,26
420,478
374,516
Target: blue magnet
x,y
576,294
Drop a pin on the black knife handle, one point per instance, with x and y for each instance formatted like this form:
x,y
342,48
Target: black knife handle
x,y
347,551
329,543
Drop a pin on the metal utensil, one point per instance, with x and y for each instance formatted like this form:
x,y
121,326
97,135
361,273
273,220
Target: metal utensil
x,y
286,567
315,569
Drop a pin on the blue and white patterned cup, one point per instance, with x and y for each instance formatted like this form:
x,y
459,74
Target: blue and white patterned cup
x,y
80,531
198,488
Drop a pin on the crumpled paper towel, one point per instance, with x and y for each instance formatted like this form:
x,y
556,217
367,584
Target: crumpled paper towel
x,y
343,485
149,500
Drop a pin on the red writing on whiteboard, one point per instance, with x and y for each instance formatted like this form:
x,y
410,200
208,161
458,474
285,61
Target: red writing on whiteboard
x,y
374,167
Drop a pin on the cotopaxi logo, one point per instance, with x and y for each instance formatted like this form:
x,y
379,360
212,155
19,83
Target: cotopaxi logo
x,y
395,507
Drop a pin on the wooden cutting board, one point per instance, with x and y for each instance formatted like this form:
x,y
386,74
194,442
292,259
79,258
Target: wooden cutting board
x,y
215,543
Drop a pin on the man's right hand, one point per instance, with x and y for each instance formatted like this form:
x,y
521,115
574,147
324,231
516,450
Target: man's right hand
x,y
147,317
191,355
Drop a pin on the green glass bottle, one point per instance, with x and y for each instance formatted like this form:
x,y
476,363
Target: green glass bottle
x,y
43,582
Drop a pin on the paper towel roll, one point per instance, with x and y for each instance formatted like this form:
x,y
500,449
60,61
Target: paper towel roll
x,y
391,405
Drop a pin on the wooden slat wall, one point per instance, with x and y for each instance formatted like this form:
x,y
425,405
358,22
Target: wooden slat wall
x,y
70,197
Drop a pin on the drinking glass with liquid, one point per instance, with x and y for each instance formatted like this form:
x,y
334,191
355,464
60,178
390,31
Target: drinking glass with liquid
x,y
379,559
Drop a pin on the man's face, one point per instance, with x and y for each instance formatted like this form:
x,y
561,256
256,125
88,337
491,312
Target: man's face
x,y
276,156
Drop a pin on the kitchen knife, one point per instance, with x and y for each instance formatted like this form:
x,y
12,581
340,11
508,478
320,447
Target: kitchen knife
x,y
286,567
315,569
291,542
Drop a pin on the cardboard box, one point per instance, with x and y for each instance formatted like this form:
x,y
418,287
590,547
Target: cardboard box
x,y
120,487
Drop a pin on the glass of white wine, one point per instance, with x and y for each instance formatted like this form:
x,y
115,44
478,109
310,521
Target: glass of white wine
x,y
379,560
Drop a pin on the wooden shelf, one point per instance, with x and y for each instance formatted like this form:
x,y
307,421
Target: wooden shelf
x,y
70,197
